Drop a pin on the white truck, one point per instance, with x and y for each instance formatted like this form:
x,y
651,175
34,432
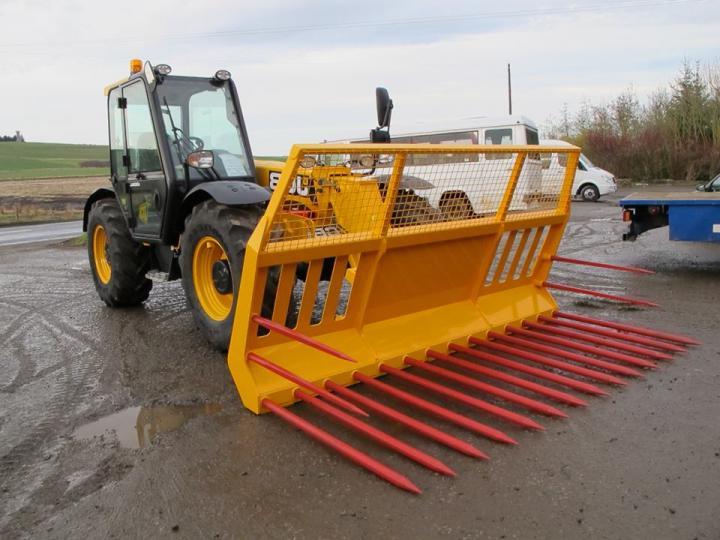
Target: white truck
x,y
590,183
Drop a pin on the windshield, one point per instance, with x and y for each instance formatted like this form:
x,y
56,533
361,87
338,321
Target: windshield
x,y
199,115
585,161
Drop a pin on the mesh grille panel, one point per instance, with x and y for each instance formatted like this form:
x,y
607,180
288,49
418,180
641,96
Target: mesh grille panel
x,y
337,196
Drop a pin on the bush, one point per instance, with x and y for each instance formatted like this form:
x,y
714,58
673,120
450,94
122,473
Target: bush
x,y
675,135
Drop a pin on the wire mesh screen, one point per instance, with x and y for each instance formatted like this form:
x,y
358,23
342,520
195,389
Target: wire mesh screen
x,y
539,186
450,189
338,196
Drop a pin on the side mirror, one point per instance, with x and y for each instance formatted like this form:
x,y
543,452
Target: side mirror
x,y
202,159
384,107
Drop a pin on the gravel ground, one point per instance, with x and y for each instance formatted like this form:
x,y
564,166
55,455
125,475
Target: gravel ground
x,y
123,423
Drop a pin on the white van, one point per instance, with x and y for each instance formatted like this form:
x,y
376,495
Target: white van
x,y
590,183
444,184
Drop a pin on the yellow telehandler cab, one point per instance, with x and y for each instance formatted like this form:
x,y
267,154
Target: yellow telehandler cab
x,y
337,267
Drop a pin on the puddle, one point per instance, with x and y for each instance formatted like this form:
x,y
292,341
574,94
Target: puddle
x,y
136,427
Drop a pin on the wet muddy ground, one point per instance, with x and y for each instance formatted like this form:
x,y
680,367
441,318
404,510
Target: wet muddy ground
x,y
123,423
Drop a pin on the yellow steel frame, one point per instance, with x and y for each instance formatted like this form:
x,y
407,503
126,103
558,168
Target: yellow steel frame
x,y
413,288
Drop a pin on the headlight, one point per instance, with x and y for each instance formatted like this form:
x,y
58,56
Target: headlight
x,y
163,69
222,75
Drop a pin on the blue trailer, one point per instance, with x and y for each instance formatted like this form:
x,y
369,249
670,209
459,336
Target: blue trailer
x,y
692,216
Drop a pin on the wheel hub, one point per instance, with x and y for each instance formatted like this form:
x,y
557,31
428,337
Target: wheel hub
x,y
221,276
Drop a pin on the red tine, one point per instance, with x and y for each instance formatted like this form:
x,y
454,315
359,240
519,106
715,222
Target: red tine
x,y
633,269
462,398
557,395
437,410
615,335
304,383
408,421
540,373
602,364
301,338
615,344
628,328
597,351
531,404
589,292
344,449
557,364
376,435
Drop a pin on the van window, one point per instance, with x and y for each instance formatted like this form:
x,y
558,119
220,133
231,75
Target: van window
x,y
459,137
531,136
498,136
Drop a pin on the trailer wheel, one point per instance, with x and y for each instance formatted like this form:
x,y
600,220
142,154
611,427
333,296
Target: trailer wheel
x,y
589,192
212,249
117,262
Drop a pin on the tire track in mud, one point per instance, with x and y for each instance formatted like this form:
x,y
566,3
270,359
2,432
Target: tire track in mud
x,y
79,360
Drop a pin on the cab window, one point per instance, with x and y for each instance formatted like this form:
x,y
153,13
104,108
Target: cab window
x,y
142,146
117,135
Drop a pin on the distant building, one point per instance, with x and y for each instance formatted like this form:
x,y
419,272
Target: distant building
x,y
19,136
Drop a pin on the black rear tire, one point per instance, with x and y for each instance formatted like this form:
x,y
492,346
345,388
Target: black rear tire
x,y
231,228
589,193
129,260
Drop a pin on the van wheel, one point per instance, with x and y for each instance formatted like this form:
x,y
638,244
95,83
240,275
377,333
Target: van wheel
x,y
590,193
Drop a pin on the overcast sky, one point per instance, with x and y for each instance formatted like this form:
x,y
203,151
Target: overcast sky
x,y
306,71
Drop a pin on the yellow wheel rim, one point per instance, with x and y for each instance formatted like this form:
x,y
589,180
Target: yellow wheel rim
x,y
214,303
100,260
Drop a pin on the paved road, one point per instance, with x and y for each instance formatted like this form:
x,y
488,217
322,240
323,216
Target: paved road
x,y
27,234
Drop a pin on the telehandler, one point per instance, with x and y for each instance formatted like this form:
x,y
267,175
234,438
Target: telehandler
x,y
332,269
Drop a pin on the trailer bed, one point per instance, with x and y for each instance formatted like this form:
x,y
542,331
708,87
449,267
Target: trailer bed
x,y
692,216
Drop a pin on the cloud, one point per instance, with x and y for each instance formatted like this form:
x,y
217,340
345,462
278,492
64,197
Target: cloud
x,y
310,85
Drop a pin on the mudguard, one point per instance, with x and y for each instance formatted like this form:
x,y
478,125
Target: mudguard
x,y
228,192
100,193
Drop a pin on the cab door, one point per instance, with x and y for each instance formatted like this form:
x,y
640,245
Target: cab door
x,y
146,186
118,153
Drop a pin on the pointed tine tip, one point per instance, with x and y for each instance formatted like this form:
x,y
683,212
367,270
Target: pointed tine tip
x,y
447,471
476,453
557,413
499,436
344,404
407,485
532,424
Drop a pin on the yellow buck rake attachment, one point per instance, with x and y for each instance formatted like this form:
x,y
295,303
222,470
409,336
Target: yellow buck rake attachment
x,y
429,257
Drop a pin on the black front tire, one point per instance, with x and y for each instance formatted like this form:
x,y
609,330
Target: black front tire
x,y
231,228
129,260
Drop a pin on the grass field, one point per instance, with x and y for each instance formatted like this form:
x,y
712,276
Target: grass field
x,y
46,182
49,160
